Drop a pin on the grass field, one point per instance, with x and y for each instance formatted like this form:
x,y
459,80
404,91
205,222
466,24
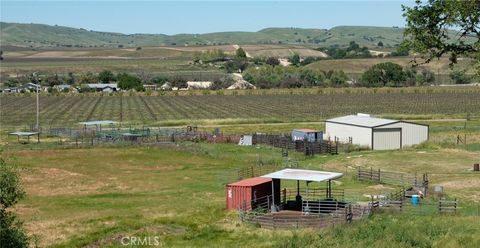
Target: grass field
x,y
242,106
177,193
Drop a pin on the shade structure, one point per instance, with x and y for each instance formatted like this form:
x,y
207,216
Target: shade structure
x,y
24,133
304,175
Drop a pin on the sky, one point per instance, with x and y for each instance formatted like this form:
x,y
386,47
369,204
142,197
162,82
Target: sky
x,y
174,17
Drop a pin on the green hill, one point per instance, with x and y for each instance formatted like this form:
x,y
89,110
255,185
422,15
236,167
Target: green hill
x,y
40,35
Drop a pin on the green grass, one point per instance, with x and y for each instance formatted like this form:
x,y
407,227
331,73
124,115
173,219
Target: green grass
x,y
40,35
177,193
356,67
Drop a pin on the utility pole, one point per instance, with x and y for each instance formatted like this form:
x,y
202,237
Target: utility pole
x,y
37,86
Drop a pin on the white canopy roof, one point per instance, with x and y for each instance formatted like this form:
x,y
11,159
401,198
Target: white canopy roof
x,y
97,122
24,133
304,175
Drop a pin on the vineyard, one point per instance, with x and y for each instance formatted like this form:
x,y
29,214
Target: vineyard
x,y
276,106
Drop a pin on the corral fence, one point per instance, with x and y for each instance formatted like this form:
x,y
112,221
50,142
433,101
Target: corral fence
x,y
394,178
82,137
426,206
314,211
400,202
257,170
285,142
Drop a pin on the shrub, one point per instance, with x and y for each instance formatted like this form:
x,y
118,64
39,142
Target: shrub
x,y
11,230
460,77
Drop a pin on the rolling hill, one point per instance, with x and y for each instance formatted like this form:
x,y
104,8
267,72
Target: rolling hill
x,y
46,36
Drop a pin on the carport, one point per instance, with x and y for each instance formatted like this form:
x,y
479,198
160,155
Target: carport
x,y
302,202
26,134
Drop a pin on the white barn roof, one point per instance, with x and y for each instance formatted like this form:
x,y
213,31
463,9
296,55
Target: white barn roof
x,y
304,175
362,120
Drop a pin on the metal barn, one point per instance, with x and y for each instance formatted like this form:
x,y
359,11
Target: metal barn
x,y
376,133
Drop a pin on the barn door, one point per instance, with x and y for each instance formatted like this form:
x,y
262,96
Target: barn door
x,y
387,139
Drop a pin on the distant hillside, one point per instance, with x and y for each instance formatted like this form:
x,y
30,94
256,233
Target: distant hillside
x,y
39,35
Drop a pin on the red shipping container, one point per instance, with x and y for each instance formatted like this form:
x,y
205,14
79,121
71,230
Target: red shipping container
x,y
242,193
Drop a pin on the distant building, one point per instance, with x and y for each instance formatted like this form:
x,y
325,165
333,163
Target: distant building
x,y
376,133
166,86
29,87
64,87
241,85
195,85
103,87
10,90
150,86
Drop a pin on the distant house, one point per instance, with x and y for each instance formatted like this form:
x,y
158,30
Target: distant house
x,y
29,87
195,85
241,84
10,90
150,86
64,87
166,86
103,87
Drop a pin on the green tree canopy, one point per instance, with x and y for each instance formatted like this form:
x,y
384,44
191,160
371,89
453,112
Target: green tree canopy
x,y
460,77
106,76
128,82
236,65
53,80
384,74
295,59
240,53
272,61
430,28
88,78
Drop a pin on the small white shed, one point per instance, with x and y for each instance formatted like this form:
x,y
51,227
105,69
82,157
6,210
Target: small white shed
x,y
376,133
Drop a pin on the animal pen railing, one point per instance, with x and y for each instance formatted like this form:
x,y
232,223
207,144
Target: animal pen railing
x,y
256,170
424,207
398,201
285,142
316,216
394,178
320,212
291,194
90,136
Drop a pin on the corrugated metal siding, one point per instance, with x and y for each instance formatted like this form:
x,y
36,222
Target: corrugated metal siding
x,y
360,135
412,134
386,139
242,196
